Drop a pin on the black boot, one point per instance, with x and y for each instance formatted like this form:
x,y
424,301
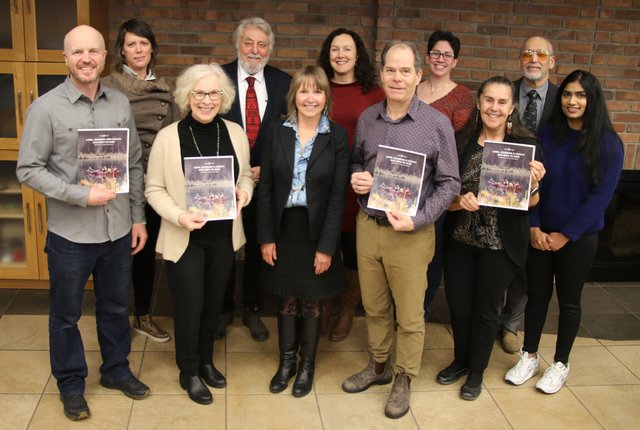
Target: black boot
x,y
197,391
309,335
212,376
288,343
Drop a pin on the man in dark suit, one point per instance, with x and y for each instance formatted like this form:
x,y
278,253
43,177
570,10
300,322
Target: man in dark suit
x,y
261,98
536,96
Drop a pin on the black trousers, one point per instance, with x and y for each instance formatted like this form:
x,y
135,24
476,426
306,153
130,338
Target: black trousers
x,y
197,281
570,267
475,282
252,294
144,265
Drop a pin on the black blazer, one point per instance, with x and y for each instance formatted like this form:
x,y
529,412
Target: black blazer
x,y
326,184
552,93
277,83
513,224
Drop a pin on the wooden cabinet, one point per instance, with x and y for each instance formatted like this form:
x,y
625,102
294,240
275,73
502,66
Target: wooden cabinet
x,y
31,63
34,30
22,226
20,84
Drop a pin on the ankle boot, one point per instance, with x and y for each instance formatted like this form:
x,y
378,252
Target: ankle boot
x,y
349,300
309,335
288,343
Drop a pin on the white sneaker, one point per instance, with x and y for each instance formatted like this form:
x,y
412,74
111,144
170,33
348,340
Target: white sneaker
x,y
525,369
554,378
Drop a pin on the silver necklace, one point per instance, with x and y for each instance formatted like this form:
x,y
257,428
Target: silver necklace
x,y
196,143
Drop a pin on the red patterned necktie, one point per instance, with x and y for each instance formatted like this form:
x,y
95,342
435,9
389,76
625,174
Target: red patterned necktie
x,y
252,113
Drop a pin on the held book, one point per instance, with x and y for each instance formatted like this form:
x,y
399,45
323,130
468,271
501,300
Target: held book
x,y
103,158
210,188
505,178
397,180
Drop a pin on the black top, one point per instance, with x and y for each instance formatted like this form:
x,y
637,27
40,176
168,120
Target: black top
x,y
206,136
513,224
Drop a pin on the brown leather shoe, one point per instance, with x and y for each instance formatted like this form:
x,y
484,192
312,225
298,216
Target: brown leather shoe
x,y
398,403
349,300
368,377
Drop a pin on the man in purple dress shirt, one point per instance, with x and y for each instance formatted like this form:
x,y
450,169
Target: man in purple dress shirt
x,y
394,249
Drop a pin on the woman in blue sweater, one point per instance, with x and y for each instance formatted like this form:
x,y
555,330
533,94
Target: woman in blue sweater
x,y
583,157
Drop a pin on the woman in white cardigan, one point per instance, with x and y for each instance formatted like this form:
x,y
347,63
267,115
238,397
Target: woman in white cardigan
x,y
198,254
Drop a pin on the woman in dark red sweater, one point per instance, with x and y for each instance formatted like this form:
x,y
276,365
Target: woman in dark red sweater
x,y
455,101
354,88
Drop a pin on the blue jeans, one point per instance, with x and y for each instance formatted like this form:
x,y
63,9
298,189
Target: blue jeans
x,y
70,265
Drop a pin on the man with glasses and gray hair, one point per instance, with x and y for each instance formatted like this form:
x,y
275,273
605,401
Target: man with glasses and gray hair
x,y
259,100
536,96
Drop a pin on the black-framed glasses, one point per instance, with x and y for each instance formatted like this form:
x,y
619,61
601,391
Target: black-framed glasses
x,y
527,54
448,56
214,95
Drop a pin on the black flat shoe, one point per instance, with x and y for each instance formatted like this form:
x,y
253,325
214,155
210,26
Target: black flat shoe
x,y
75,407
449,375
470,391
197,391
258,330
131,387
212,377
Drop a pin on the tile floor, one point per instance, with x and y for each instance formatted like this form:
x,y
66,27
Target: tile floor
x,y
603,389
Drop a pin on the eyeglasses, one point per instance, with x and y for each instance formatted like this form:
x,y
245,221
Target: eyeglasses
x,y
214,95
448,56
527,54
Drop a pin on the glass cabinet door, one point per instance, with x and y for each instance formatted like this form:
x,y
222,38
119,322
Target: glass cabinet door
x,y
46,23
11,31
43,77
12,104
18,252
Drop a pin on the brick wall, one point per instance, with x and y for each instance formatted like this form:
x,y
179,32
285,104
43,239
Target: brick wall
x,y
602,36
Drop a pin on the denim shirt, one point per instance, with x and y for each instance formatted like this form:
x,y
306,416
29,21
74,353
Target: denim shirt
x,y
298,193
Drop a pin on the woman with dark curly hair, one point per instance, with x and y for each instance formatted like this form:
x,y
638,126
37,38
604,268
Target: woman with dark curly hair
x,y
354,87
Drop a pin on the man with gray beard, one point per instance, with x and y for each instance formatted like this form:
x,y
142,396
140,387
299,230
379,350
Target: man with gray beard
x,y
260,99
536,96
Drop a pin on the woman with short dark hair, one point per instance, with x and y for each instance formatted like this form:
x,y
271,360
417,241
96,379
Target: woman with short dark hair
x,y
153,108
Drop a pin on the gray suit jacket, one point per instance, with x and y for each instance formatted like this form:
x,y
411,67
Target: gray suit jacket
x,y
552,93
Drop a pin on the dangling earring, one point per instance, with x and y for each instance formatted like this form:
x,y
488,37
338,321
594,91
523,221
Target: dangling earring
x,y
477,117
509,125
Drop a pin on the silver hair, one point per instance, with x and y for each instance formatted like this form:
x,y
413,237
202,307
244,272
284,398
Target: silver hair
x,y
257,22
190,76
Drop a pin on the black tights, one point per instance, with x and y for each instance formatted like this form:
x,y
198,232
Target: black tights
x,y
307,308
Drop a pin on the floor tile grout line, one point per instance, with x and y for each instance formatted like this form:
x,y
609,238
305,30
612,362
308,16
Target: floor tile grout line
x,y
488,391
584,406
621,362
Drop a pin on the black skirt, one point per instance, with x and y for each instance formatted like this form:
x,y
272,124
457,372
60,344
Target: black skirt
x,y
293,274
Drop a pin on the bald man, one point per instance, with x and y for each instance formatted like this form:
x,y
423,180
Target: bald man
x,y
91,230
536,62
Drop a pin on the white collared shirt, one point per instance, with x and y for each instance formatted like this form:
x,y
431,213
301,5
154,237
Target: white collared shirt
x,y
261,92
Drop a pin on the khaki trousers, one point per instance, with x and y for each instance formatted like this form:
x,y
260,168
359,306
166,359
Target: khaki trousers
x,y
392,267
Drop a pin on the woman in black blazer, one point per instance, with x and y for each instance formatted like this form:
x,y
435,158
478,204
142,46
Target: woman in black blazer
x,y
303,179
